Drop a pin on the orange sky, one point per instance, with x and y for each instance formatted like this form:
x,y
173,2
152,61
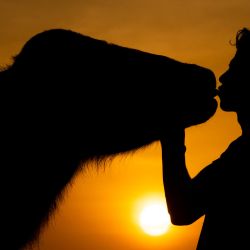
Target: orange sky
x,y
98,211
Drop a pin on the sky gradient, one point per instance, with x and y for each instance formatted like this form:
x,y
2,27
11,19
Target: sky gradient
x,y
98,211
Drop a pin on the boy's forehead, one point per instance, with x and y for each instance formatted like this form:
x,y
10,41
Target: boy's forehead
x,y
240,59
234,61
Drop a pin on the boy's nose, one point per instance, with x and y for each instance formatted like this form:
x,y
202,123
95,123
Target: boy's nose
x,y
222,77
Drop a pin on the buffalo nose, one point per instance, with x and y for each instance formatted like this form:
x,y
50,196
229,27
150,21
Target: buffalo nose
x,y
209,78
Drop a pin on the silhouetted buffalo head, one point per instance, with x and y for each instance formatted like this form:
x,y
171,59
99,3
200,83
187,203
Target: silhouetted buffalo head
x,y
68,98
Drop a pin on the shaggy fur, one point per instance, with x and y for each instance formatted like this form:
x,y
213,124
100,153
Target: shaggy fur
x,y
67,99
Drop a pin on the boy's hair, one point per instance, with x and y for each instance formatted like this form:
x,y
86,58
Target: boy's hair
x,y
243,39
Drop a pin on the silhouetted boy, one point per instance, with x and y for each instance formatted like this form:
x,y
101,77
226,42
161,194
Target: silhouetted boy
x,y
221,190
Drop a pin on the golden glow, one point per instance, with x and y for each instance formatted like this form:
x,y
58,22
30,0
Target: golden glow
x,y
153,217
95,212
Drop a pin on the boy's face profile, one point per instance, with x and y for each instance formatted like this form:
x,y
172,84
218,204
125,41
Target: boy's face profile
x,y
233,92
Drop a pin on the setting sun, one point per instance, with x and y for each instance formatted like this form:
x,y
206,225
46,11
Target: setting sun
x,y
154,218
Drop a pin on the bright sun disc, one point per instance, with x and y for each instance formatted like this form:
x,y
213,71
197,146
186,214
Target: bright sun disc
x,y
154,219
